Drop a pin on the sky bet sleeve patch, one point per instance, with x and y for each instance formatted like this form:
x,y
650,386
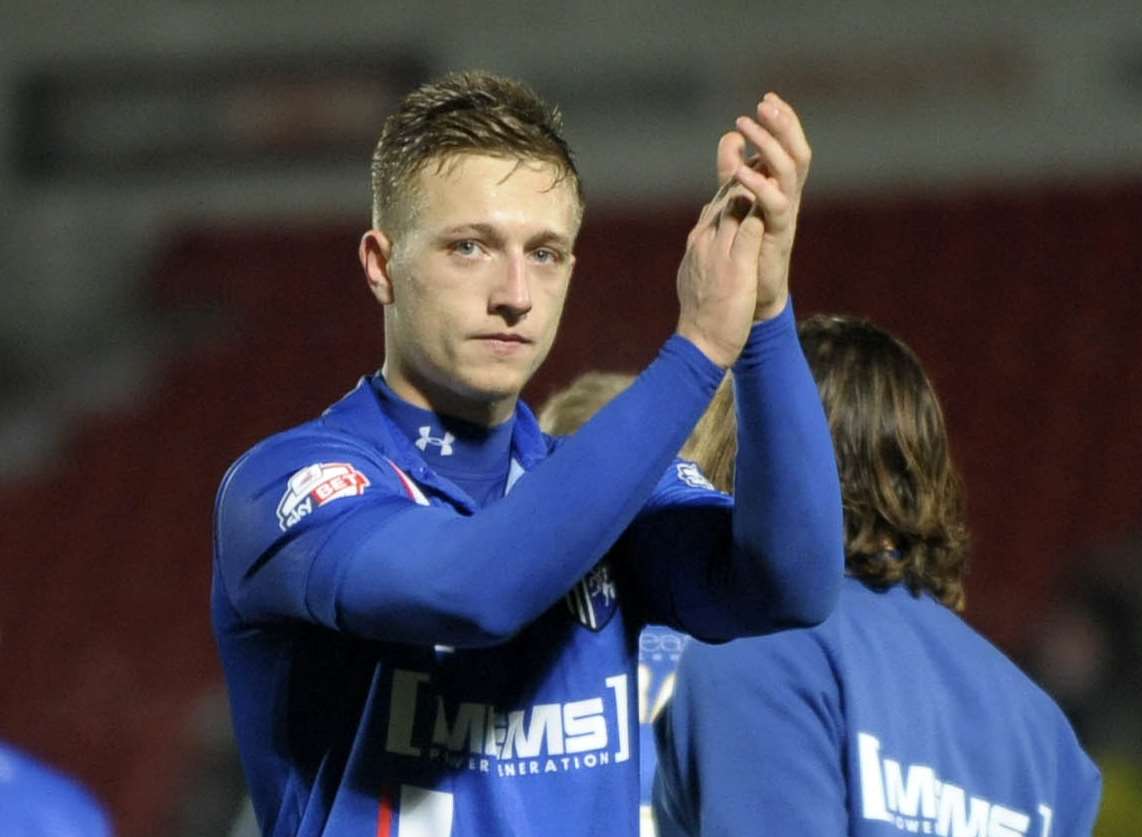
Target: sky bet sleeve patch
x,y
314,486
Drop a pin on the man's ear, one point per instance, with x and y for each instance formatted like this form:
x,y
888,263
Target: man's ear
x,y
375,253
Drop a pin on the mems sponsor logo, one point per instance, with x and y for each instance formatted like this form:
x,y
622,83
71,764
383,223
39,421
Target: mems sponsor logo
x,y
314,486
914,799
542,738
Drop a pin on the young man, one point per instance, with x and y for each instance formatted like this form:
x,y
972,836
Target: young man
x,y
426,615
893,715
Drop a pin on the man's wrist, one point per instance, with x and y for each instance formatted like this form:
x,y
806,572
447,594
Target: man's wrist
x,y
721,355
772,309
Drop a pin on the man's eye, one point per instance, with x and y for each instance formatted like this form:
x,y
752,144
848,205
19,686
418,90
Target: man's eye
x,y
545,255
467,247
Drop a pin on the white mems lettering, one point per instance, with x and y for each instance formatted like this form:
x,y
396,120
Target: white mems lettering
x,y
961,817
463,732
523,741
585,725
914,799
402,712
467,734
914,796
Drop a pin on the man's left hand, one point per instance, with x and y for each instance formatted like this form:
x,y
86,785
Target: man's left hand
x,y
776,176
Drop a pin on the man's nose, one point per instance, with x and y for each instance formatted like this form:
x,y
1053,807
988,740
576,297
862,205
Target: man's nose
x,y
511,297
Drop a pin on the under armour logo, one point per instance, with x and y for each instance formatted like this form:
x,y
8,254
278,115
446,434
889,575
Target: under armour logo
x,y
426,439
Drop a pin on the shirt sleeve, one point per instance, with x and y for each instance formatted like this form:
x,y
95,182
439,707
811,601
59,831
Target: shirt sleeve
x,y
368,559
751,742
773,557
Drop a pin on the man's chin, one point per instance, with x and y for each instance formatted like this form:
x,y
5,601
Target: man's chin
x,y
488,388
498,391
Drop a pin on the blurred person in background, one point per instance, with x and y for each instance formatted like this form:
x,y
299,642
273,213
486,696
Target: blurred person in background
x,y
427,611
893,715
567,410
39,801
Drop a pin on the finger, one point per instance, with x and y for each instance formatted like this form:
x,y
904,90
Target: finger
x,y
773,203
782,121
709,218
736,208
731,154
772,156
727,193
745,246
718,201
701,230
711,210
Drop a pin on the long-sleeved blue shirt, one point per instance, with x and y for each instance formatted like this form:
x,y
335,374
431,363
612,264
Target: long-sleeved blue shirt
x,y
893,716
403,659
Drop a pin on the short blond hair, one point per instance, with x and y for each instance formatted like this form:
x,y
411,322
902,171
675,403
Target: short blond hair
x,y
471,112
570,408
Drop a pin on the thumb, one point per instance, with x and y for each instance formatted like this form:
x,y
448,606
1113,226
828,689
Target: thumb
x,y
731,154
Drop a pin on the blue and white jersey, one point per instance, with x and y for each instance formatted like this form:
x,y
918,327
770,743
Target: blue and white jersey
x,y
893,717
404,658
37,801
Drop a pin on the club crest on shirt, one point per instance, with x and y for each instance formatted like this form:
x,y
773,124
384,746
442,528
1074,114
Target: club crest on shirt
x,y
593,600
314,486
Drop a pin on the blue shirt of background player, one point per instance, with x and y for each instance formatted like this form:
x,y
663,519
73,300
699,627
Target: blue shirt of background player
x,y
659,649
37,801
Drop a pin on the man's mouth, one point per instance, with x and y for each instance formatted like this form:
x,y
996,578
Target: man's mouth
x,y
504,337
504,344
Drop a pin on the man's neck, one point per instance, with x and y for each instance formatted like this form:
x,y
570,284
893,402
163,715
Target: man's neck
x,y
475,457
420,393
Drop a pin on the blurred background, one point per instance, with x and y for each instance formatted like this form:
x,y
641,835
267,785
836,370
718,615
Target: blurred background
x,y
183,184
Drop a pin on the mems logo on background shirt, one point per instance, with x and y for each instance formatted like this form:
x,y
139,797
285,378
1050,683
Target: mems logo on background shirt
x,y
314,486
914,799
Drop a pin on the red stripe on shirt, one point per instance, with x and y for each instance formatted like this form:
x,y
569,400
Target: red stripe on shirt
x,y
385,815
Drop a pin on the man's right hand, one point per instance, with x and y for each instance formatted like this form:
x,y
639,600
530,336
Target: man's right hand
x,y
717,279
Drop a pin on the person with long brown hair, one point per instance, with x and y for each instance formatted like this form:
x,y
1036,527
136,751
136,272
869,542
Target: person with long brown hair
x,y
892,715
